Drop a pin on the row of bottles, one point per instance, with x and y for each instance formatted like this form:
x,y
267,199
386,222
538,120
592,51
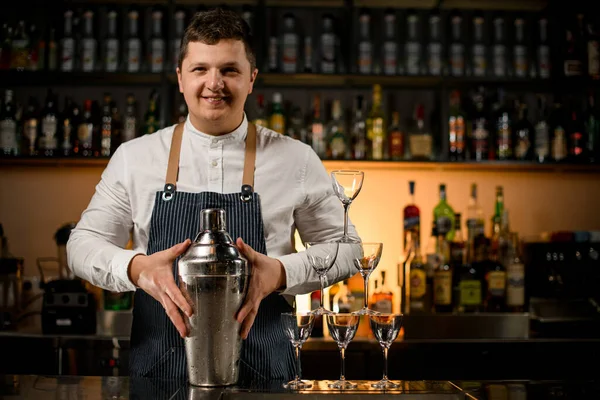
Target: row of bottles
x,y
98,39
88,130
461,273
485,124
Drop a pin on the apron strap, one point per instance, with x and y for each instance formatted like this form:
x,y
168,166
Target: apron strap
x,y
173,166
249,163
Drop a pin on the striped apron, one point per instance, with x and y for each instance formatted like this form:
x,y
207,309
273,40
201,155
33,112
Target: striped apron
x,y
157,350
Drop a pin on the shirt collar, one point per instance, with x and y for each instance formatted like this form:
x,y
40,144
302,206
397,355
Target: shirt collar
x,y
238,134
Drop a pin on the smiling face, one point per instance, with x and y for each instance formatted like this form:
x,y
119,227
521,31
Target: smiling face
x,y
215,81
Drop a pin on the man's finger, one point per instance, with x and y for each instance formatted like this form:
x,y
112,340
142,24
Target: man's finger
x,y
177,297
179,249
248,322
245,249
173,313
244,311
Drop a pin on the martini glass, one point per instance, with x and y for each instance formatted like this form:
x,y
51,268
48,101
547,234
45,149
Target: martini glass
x,y
342,327
385,328
366,262
346,186
297,328
321,256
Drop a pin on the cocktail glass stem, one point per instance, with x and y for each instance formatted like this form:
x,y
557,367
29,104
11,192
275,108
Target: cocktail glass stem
x,y
366,282
385,363
346,206
298,368
322,281
343,364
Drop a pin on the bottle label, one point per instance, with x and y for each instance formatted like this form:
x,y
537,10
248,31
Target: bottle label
x,y
328,53
290,53
111,61
411,222
67,54
515,285
470,292
442,292
444,224
435,58
158,55
365,57
420,145
390,56
84,134
396,145
88,56
383,306
479,61
559,144
133,55
542,147
418,286
413,58
338,147
496,283
49,133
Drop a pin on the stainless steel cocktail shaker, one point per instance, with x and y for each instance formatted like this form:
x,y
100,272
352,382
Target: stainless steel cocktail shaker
x,y
214,277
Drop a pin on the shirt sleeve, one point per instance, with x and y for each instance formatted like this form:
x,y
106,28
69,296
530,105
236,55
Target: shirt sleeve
x,y
320,218
96,247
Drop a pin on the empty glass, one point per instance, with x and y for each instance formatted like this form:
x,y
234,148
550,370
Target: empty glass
x,y
385,327
342,328
346,186
366,262
322,257
297,327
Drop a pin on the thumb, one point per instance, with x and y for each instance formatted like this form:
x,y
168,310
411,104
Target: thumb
x,y
179,249
245,249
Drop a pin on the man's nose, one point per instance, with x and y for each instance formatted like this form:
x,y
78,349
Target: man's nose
x,y
215,81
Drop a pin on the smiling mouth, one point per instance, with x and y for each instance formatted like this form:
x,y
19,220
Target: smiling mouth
x,y
215,100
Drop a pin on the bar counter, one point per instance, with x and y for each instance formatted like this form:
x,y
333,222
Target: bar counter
x,y
94,387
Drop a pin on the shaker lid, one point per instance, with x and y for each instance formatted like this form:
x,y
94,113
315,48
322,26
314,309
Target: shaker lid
x,y
212,219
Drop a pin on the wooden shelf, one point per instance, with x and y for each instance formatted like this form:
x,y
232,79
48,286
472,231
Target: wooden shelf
x,y
486,166
507,5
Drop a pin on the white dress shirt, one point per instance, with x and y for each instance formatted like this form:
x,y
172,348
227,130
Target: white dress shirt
x,y
294,188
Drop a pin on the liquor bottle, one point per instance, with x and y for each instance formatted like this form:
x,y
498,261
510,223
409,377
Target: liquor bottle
x,y
31,129
593,50
290,43
411,221
106,133
365,44
442,277
85,132
542,134
434,48
178,36
456,128
328,47
261,113
390,47
52,51
498,212
480,129
117,127
457,246
412,49
296,129
475,221
419,296
151,118
469,282
337,141
376,126
494,282
68,127
111,44
524,134
359,142
130,125
89,45
48,143
157,44
383,297
558,127
457,47
19,53
396,138
308,54
443,216
478,49
543,50
67,44
504,149
576,141
499,53
133,45
277,119
420,141
515,278
8,126
520,54
572,57
317,131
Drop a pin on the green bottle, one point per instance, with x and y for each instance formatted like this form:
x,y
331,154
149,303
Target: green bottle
x,y
443,215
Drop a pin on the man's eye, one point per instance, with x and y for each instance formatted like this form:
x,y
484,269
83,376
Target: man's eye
x,y
229,70
201,69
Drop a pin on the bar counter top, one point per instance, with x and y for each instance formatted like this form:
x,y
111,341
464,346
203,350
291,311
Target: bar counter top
x,y
40,387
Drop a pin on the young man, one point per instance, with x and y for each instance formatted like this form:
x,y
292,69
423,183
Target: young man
x,y
291,190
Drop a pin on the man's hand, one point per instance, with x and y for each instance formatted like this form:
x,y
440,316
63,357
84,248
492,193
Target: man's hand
x,y
154,274
268,275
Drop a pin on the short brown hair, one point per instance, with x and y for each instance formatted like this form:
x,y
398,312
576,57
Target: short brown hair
x,y
211,26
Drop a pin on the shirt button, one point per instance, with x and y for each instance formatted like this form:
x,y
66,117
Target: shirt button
x,y
215,141
214,163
